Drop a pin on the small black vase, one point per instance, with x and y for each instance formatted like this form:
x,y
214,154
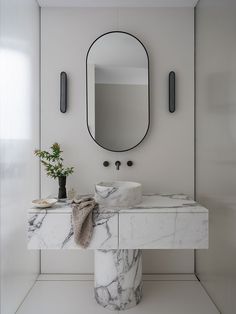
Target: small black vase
x,y
62,187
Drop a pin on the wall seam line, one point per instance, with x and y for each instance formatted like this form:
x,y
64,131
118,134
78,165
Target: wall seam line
x,y
194,121
40,118
26,295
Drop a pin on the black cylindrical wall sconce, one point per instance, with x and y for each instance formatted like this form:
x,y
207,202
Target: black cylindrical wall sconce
x,y
172,91
63,92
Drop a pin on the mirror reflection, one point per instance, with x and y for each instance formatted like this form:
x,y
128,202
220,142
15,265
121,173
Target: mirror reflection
x,y
117,91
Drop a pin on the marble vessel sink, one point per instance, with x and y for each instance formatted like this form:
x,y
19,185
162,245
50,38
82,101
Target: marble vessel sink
x,y
118,193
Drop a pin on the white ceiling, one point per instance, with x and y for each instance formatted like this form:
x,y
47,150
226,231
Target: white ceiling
x,y
117,3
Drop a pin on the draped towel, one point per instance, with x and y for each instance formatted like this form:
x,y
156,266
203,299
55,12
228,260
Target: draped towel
x,y
82,220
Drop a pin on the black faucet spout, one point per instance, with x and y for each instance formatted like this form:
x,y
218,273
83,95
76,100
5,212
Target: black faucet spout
x,y
117,163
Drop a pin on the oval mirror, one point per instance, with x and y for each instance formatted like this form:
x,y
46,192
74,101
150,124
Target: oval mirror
x,y
117,68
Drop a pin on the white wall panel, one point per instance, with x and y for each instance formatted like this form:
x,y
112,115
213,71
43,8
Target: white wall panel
x,y
164,161
216,146
19,113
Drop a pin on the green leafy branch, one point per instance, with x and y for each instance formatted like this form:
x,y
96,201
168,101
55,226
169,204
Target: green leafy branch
x,y
53,162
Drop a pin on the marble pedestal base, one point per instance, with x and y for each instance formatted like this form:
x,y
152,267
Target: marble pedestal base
x,y
118,278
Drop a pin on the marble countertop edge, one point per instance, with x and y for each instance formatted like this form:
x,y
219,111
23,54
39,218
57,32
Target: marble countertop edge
x,y
152,203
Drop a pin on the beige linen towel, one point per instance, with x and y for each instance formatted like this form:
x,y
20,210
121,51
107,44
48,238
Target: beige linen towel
x,y
82,219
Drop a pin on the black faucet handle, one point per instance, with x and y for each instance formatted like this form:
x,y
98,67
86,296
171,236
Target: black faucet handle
x,y
130,163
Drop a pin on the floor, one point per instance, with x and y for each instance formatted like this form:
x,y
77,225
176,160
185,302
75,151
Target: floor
x,y
73,294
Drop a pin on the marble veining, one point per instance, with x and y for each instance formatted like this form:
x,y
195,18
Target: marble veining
x,y
118,193
35,223
105,193
150,203
167,221
118,278
163,231
55,231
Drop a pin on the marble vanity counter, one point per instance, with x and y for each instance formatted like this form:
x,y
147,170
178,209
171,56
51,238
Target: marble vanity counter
x,y
158,222
166,203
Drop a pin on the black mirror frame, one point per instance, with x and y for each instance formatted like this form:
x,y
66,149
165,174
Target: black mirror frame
x,y
148,127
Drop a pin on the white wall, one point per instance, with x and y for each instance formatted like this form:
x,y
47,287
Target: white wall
x,y
19,112
216,146
164,161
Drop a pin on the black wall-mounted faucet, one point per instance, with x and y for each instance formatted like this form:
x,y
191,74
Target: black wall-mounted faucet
x,y
117,163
